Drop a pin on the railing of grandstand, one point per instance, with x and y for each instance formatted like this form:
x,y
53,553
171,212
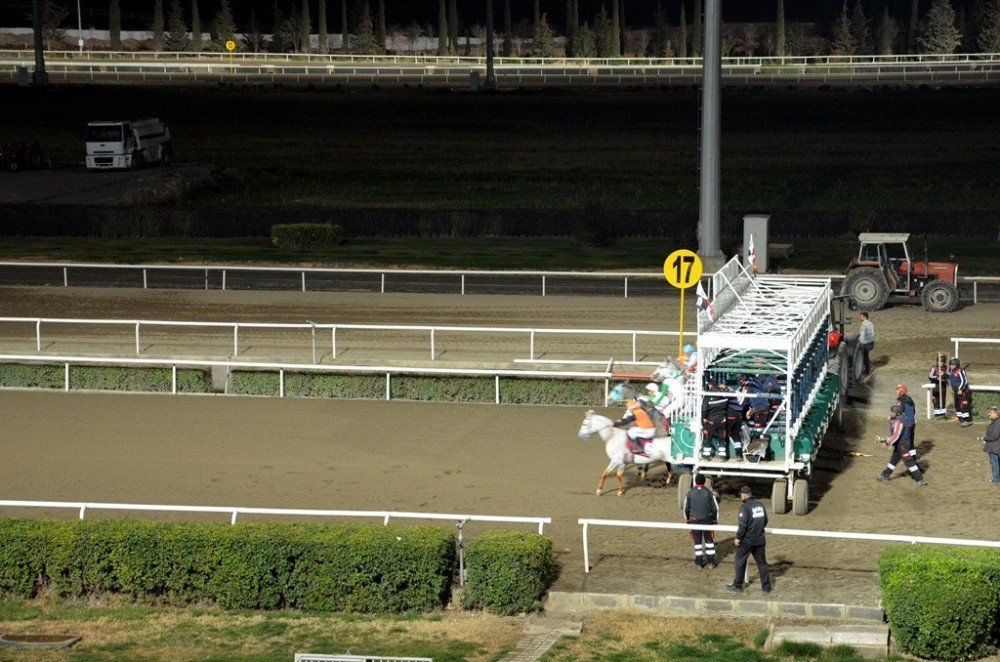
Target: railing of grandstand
x,y
973,341
281,368
335,59
235,511
978,388
804,533
433,331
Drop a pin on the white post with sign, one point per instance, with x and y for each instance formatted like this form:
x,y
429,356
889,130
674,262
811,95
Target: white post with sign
x,y
682,269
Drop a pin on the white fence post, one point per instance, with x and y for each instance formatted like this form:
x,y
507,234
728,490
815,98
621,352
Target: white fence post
x,y
543,285
145,282
956,347
138,349
333,341
67,377
586,550
432,343
206,279
65,277
383,284
463,283
626,287
975,291
531,355
496,389
223,279
173,379
236,339
281,383
634,351
38,336
303,281
388,392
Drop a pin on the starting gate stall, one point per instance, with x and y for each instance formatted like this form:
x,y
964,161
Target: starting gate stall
x,y
763,326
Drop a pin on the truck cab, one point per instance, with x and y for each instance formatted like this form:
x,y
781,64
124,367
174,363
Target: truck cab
x,y
127,144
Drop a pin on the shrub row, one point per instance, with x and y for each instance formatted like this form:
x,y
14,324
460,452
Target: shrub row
x,y
105,378
943,603
295,236
448,389
981,403
507,572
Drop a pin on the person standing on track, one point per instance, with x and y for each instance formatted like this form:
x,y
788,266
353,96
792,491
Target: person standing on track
x,y
991,444
736,410
713,414
701,507
750,540
938,377
909,416
866,340
900,443
963,397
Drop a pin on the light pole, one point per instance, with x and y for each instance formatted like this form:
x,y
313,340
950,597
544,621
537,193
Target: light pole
x,y
709,212
491,76
79,26
39,77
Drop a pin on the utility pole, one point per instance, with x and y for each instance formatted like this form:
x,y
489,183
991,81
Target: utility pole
x,y
39,77
79,26
709,213
491,76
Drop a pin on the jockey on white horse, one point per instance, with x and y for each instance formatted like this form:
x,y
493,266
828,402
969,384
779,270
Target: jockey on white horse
x,y
644,429
666,388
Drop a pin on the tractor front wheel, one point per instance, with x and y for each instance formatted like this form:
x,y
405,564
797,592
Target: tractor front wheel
x,y
867,285
939,296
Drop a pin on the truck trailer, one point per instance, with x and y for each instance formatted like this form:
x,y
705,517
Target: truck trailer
x,y
127,144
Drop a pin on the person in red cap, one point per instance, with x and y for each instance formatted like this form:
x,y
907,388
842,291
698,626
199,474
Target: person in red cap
x,y
909,416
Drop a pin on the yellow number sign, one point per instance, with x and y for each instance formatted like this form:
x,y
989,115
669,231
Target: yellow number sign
x,y
682,269
230,45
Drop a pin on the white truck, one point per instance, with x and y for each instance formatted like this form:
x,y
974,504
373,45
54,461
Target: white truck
x,y
127,144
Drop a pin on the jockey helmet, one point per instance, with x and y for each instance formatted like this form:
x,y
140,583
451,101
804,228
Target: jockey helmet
x,y
689,349
955,362
901,389
652,387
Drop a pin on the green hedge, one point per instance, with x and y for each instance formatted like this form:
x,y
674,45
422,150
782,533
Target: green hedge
x,y
942,602
981,403
296,236
105,378
507,572
359,568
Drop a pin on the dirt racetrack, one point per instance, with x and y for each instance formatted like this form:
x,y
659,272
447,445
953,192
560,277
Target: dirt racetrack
x,y
487,459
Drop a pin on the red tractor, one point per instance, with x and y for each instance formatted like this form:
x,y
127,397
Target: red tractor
x,y
885,269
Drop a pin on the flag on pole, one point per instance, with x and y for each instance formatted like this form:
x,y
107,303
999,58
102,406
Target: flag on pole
x,y
704,304
752,254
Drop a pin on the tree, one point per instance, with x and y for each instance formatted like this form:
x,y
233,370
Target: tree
x,y
843,40
177,39
508,29
453,27
321,27
622,30
585,43
254,40
543,41
616,43
196,43
223,26
602,33
696,30
749,39
659,41
380,23
365,37
305,28
442,28
115,24
888,30
345,29
283,40
988,39
157,26
682,39
939,34
570,28
53,16
538,17
911,34
779,30
859,30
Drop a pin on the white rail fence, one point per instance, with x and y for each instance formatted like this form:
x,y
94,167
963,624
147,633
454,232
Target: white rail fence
x,y
234,511
389,371
975,389
973,341
804,533
532,334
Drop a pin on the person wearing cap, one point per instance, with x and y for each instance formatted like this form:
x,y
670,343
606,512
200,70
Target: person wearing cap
x,y
713,415
736,410
960,385
641,428
909,416
991,444
750,540
690,358
866,340
701,507
938,377
901,445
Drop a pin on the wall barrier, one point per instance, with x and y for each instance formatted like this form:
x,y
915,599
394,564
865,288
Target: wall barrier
x,y
842,535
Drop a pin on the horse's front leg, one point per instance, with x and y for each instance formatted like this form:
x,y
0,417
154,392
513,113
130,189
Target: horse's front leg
x,y
618,480
670,473
604,476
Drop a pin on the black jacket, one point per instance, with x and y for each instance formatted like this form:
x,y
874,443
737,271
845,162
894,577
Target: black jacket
x,y
714,407
991,440
701,506
753,519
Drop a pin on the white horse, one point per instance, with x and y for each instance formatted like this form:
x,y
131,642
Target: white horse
x,y
616,447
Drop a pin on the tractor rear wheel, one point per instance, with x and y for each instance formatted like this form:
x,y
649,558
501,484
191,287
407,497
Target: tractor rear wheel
x,y
939,296
867,285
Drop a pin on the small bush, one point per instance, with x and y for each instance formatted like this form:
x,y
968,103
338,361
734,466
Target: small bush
x,y
982,401
508,571
550,391
322,385
254,382
15,375
450,389
306,236
942,602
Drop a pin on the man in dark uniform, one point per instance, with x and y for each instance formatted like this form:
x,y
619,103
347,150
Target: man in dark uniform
x,y
735,413
713,414
750,540
701,507
909,416
963,398
899,441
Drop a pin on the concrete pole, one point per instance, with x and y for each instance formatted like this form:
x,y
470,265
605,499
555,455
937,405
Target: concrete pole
x,y
79,26
491,76
709,213
39,77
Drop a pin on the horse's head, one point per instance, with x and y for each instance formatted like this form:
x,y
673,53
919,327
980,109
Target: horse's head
x,y
620,393
587,427
666,371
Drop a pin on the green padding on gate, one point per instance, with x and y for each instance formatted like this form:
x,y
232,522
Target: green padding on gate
x,y
809,436
682,440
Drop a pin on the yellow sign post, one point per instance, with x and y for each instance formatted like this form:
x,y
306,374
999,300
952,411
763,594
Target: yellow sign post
x,y
682,269
231,46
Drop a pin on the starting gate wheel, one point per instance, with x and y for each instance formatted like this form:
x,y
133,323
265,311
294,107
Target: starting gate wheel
x,y
779,496
800,497
683,485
